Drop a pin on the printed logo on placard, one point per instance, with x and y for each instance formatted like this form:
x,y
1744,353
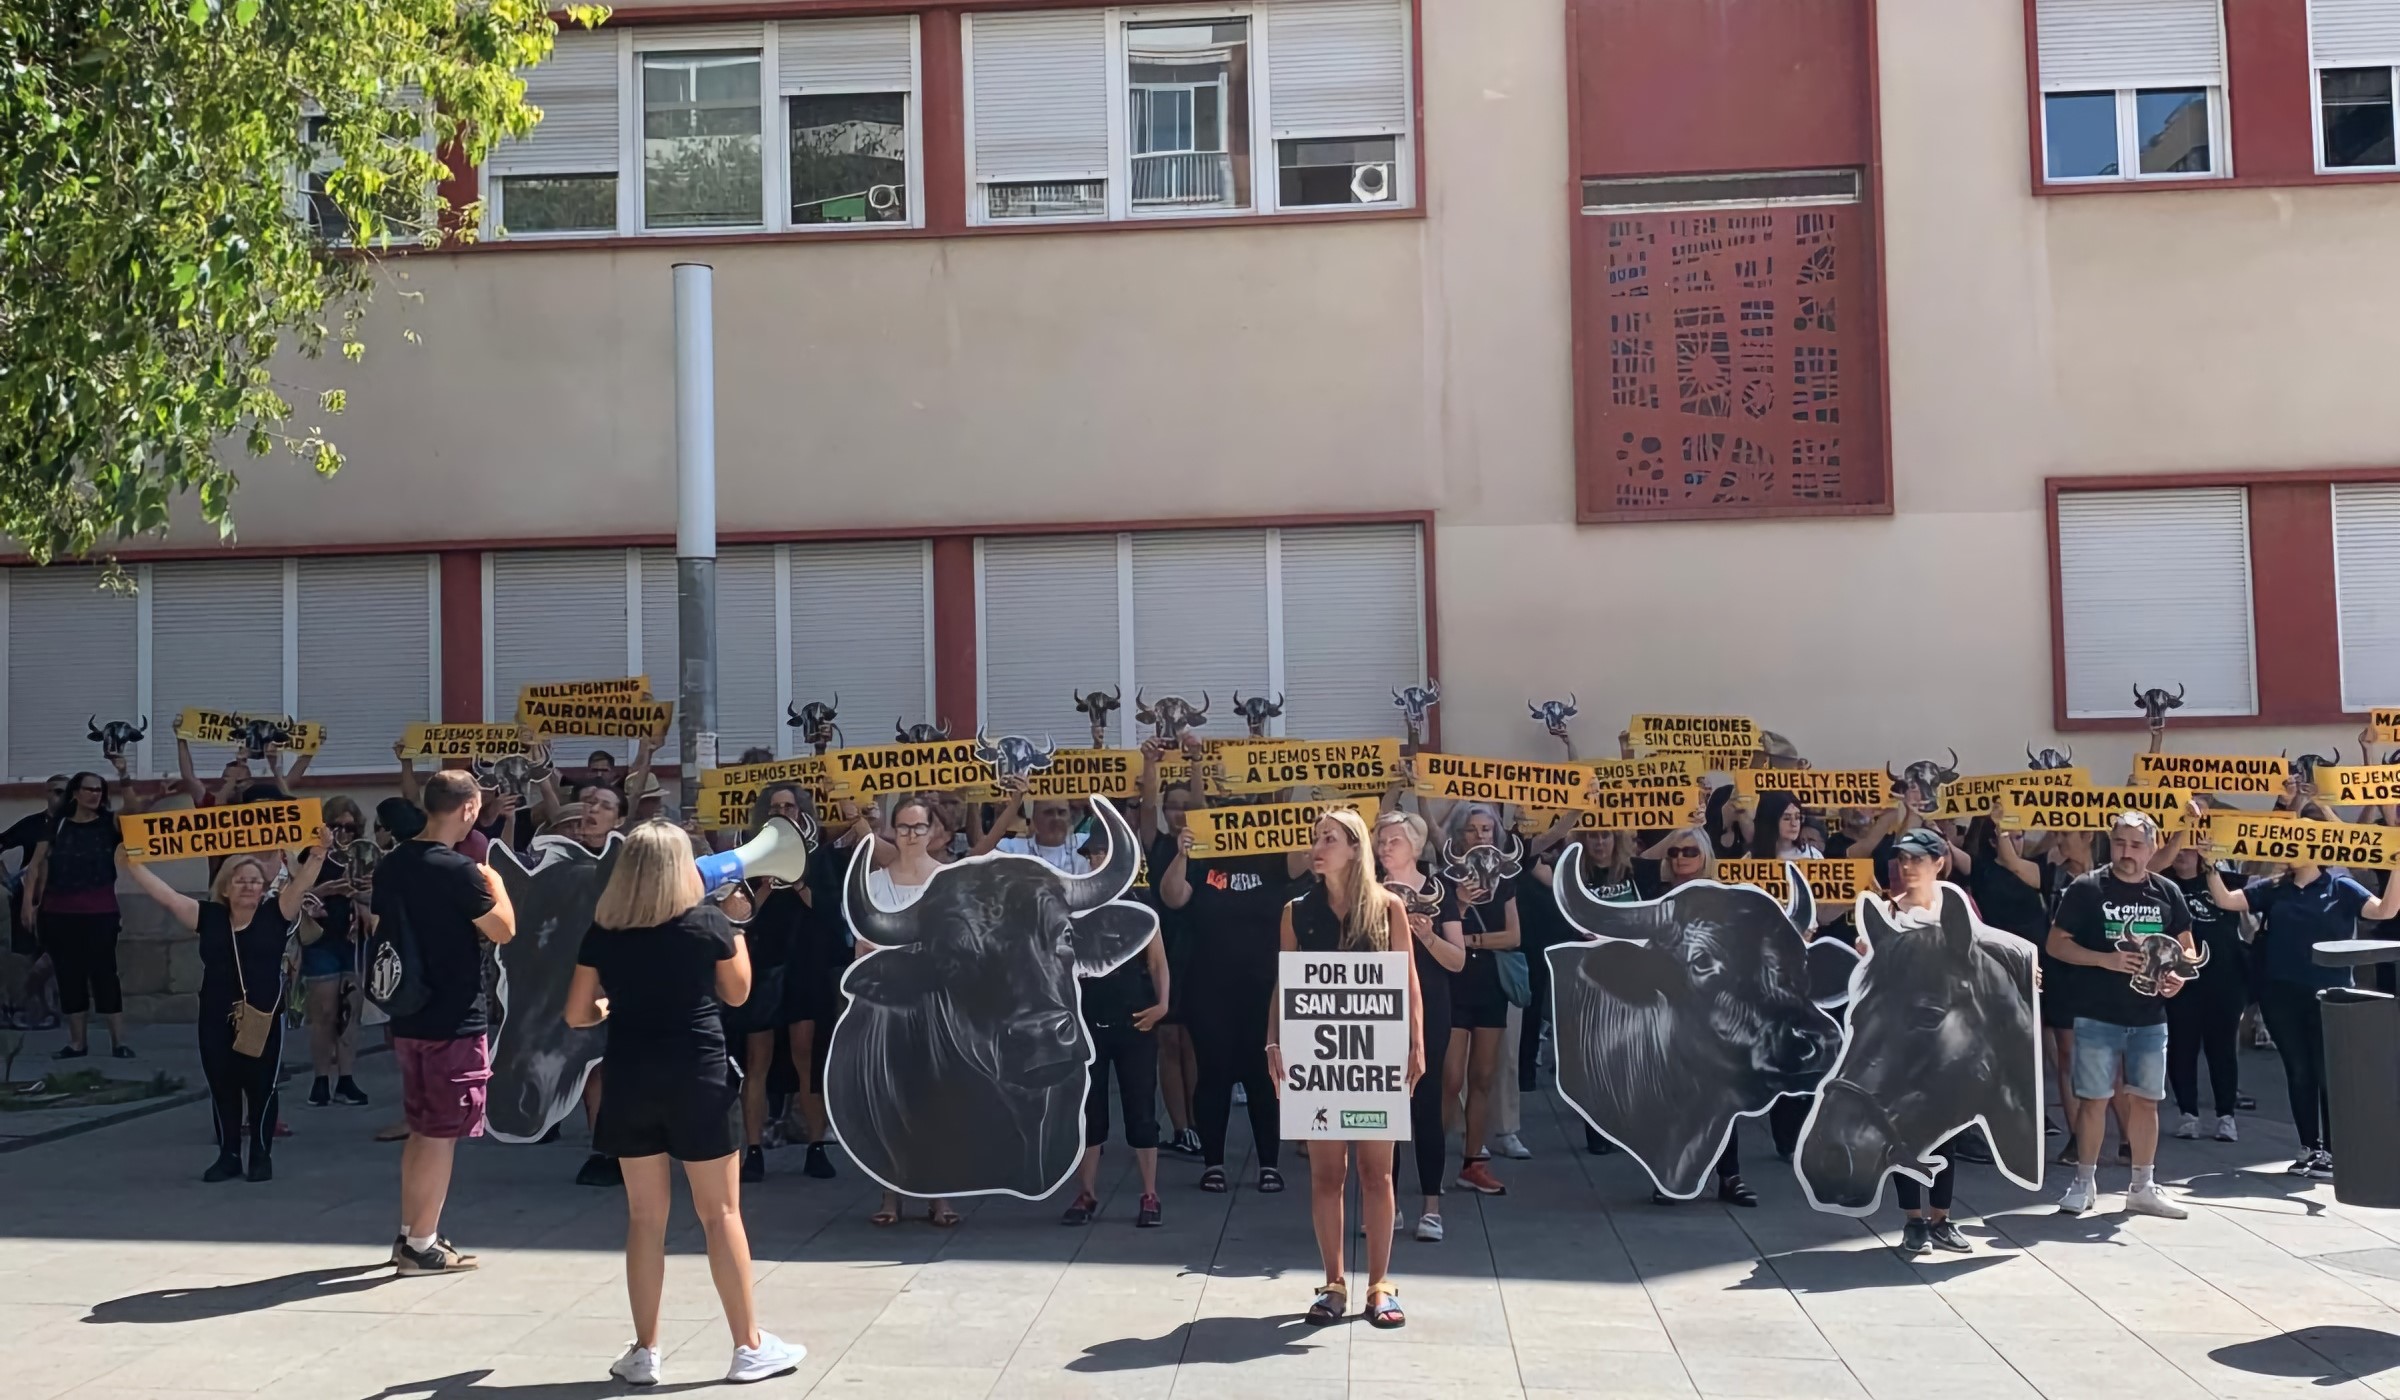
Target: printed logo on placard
x,y
383,978
1362,1118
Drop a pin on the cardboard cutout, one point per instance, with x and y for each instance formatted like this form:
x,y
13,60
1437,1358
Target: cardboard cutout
x,y
1683,1014
539,1062
1943,1033
960,1061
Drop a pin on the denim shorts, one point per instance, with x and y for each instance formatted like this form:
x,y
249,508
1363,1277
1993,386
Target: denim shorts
x,y
2102,1047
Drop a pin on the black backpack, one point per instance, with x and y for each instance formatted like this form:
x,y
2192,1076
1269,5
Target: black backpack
x,y
395,967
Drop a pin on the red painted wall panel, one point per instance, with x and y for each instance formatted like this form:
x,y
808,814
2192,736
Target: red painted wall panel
x,y
2268,93
462,636
945,128
954,627
2297,630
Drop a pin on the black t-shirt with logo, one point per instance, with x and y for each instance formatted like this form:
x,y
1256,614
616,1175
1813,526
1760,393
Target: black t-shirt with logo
x,y
2096,910
2218,931
441,894
1236,915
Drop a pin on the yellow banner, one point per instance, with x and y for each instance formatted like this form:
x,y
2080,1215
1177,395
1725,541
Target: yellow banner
x,y
1831,881
636,686
2209,772
1820,787
2250,836
2348,787
1219,832
1622,809
2089,809
1550,786
1694,733
1972,797
612,716
185,833
887,768
461,741
1675,770
1115,774
1270,765
225,727
2386,724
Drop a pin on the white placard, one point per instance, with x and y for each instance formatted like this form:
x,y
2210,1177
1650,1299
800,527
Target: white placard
x,y
1345,1045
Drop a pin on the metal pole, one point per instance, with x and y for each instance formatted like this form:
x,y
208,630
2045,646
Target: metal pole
x,y
695,520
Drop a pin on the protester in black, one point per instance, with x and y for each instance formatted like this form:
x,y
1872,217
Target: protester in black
x,y
1440,951
776,913
1121,1013
1488,926
1178,1064
329,964
1684,856
2207,1016
71,895
1919,860
819,952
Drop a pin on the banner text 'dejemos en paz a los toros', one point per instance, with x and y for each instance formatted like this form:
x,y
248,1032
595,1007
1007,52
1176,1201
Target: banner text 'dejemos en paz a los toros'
x,y
1270,765
1830,881
1693,733
1267,829
893,768
2256,836
1515,782
198,726
1973,796
1674,770
486,741
1821,788
187,833
2089,809
728,796
2209,772
2354,787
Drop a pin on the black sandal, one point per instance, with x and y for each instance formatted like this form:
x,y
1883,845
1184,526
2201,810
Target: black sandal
x,y
1214,1180
1331,1302
1733,1191
1270,1181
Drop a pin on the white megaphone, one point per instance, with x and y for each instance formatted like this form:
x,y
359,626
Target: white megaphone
x,y
778,852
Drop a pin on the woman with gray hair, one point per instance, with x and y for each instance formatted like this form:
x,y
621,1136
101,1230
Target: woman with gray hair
x,y
1486,924
1440,953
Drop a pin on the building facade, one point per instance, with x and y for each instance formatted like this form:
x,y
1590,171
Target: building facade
x,y
1907,374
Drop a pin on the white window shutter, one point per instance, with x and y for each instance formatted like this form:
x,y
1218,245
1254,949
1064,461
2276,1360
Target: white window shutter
x,y
72,657
2366,585
1040,90
557,615
1049,631
2117,551
872,54
576,88
1200,619
859,620
2088,44
216,642
1351,634
2350,33
1337,67
366,655
746,712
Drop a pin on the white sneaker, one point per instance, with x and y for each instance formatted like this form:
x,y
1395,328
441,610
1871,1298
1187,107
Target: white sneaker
x,y
1511,1146
1429,1228
2225,1129
638,1366
771,1357
2187,1126
2079,1196
2149,1200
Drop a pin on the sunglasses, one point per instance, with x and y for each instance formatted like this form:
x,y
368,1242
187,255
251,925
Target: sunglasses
x,y
351,827
1683,853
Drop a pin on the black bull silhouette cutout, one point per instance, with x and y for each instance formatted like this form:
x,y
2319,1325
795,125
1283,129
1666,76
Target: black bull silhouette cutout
x,y
960,1061
1684,1013
539,1062
1942,1033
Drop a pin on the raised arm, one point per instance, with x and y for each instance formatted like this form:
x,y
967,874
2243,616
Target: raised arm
x,y
296,889
2009,854
1174,882
183,764
180,907
988,840
499,923
409,787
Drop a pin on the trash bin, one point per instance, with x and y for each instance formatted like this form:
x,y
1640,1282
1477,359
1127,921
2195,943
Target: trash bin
x,y
2362,1092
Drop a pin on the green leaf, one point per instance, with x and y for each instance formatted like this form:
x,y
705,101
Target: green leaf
x,y
198,13
244,11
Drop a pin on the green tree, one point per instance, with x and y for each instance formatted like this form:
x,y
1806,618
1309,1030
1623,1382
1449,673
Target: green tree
x,y
191,193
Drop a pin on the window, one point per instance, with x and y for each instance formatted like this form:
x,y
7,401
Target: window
x,y
701,153
2131,89
849,158
1315,174
2114,549
325,218
563,178
2354,46
2366,585
1187,95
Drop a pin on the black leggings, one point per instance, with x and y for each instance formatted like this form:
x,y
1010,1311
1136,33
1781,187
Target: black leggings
x,y
2203,1019
1228,1025
1529,1038
1785,1120
83,951
239,1087
1134,1056
2298,1025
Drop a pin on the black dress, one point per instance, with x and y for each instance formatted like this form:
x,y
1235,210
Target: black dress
x,y
672,1089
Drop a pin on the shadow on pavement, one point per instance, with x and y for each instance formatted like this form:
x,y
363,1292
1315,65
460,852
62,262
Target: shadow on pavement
x,y
464,1384
2326,1356
224,1300
2221,1188
1207,1341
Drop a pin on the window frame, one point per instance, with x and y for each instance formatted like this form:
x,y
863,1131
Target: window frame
x,y
1120,20
2129,153
2316,125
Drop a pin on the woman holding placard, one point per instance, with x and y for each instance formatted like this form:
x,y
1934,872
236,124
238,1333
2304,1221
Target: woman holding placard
x,y
71,894
1348,912
1486,920
1439,952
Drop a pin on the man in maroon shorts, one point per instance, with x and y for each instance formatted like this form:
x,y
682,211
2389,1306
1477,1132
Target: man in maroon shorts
x,y
451,904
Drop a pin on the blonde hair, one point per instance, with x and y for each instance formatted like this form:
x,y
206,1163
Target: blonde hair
x,y
1693,834
1368,926
1417,830
234,865
654,879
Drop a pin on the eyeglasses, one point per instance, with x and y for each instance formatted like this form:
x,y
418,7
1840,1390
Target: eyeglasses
x,y
351,827
913,829
1683,853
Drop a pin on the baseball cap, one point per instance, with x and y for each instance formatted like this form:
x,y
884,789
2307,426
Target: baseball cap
x,y
1920,842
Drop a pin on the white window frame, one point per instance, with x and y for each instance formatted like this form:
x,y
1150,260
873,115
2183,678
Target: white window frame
x,y
669,41
2316,124
1120,87
2129,154
2249,575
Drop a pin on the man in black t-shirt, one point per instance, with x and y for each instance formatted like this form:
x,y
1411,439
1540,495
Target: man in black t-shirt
x,y
450,905
2120,1029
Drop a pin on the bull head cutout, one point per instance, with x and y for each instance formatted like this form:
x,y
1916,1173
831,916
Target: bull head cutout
x,y
539,1062
1921,782
258,735
2306,765
116,736
2162,955
959,1064
1013,758
1169,715
1097,707
1423,901
359,860
1414,702
814,720
1255,711
921,733
2049,758
1484,867
2155,703
513,776
1553,715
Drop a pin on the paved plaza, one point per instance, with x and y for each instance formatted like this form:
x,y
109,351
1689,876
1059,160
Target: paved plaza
x,y
123,1276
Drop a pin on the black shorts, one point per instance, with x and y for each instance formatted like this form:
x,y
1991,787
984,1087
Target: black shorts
x,y
689,1111
812,982
1476,1001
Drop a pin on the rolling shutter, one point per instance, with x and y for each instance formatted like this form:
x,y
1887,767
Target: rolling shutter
x,y
1337,67
366,655
2366,585
2115,550
860,614
746,714
72,657
1049,630
1039,86
1351,630
2347,33
2129,43
1200,620
557,615
216,641
576,88
876,54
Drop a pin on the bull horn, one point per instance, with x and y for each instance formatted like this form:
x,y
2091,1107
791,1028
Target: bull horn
x,y
1396,698
2070,753
1115,875
1079,700
1532,709
885,928
2140,701
1952,768
1574,703
481,768
1048,749
2030,760
2178,692
1237,697
900,729
144,731
1588,915
984,752
1875,924
1802,910
92,725
1279,702
1958,925
1449,851
791,715
1887,772
1203,703
1115,697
